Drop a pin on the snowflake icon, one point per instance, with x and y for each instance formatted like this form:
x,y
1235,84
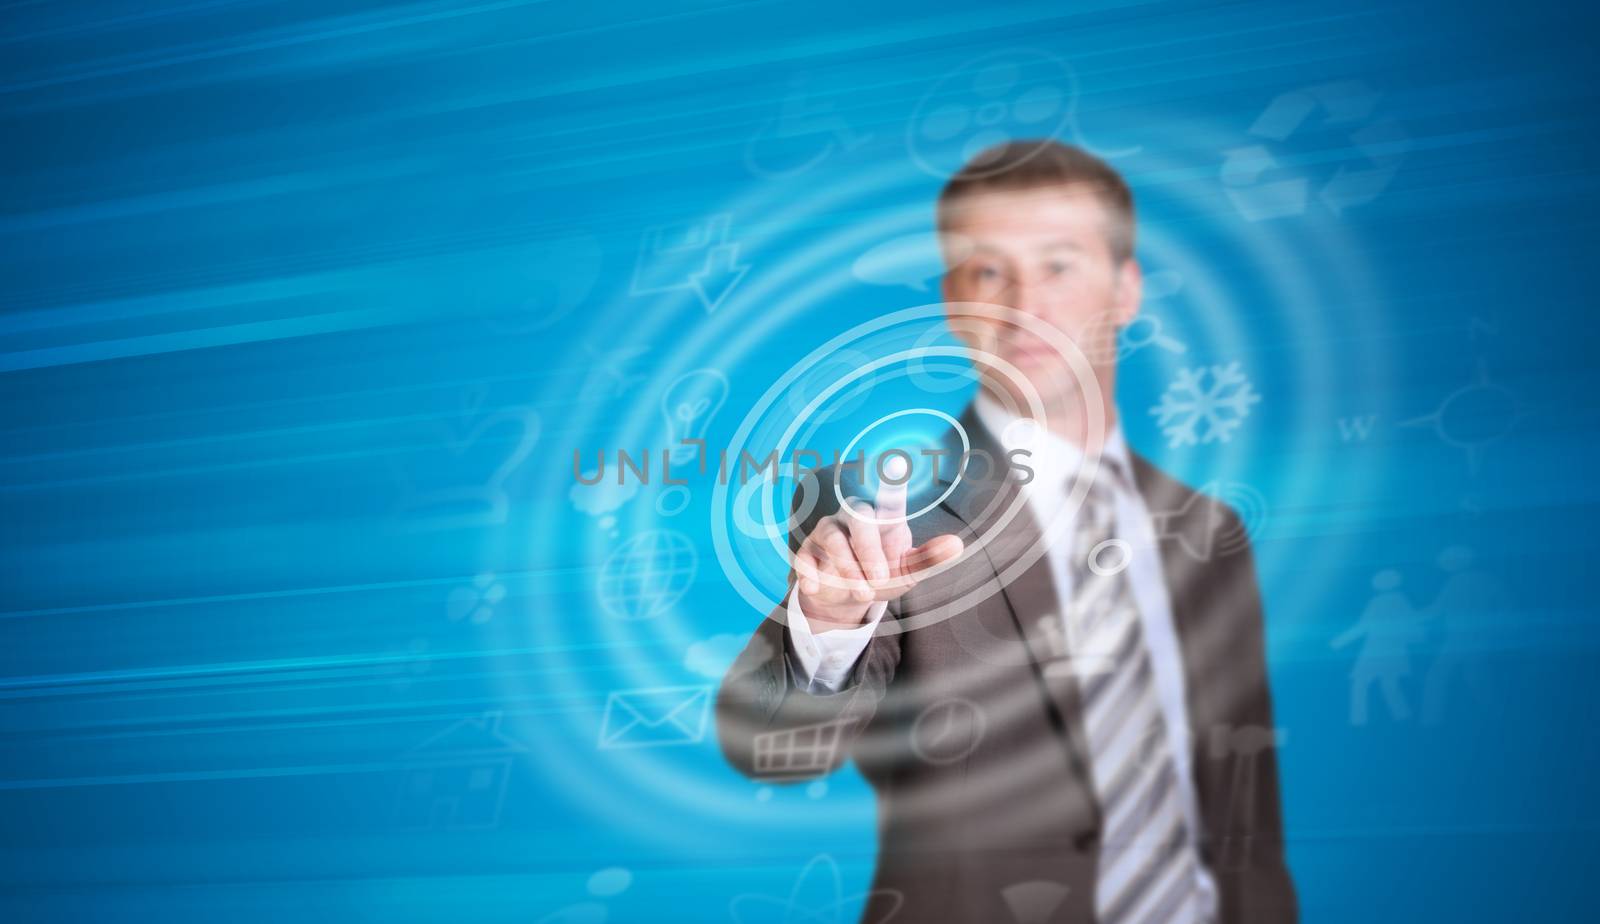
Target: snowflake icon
x,y
1205,405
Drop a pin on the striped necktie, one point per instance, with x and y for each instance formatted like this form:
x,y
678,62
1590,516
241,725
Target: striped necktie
x,y
1148,866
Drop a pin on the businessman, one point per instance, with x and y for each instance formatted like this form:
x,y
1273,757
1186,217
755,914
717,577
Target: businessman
x,y
1086,735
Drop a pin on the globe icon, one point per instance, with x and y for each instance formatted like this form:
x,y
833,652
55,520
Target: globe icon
x,y
648,574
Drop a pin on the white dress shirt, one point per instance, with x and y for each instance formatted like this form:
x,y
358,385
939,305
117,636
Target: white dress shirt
x,y
822,662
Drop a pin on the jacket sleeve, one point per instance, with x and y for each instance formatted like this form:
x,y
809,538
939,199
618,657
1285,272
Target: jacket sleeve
x,y
772,729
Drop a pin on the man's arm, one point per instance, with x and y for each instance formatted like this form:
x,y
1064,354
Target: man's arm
x,y
760,700
848,565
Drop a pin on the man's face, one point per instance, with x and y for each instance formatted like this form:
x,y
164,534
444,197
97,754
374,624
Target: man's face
x,y
1046,253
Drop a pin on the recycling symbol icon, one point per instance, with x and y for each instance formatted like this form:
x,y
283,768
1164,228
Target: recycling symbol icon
x,y
1262,188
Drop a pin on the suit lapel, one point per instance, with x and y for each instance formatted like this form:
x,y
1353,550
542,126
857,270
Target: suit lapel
x,y
992,505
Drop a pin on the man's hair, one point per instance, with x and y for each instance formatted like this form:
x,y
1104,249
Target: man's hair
x,y
1019,165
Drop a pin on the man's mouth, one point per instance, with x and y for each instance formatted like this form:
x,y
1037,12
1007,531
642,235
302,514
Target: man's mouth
x,y
1029,350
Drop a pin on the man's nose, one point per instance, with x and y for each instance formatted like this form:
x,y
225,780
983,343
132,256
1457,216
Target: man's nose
x,y
1027,297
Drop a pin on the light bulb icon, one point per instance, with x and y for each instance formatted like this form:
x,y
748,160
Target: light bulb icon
x,y
688,406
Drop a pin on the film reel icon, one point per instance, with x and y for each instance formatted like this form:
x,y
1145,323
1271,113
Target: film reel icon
x,y
1008,94
1017,93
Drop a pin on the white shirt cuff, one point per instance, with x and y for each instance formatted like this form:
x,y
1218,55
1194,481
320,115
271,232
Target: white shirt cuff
x,y
822,661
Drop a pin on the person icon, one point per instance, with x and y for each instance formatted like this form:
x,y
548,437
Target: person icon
x,y
1468,598
1388,627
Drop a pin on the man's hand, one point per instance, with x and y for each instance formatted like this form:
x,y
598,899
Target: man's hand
x,y
863,555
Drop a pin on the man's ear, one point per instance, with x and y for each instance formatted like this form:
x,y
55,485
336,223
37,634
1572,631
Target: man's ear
x,y
1128,292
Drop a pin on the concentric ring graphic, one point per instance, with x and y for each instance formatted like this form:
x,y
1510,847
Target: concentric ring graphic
x,y
1268,295
735,562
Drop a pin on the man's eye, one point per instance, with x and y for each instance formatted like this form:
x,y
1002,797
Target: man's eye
x,y
988,272
1058,268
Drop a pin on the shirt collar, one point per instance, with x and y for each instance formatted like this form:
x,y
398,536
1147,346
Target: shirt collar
x,y
1053,457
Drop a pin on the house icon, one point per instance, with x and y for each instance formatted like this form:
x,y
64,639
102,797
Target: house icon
x,y
457,778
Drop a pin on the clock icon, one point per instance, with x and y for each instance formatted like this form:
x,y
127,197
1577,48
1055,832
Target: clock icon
x,y
947,731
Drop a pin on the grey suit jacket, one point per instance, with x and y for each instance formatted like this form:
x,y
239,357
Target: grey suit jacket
x,y
977,753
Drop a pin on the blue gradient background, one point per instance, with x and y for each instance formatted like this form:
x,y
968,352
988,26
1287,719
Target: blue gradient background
x,y
279,276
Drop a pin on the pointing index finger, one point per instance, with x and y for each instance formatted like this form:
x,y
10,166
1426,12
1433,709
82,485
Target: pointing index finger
x,y
895,474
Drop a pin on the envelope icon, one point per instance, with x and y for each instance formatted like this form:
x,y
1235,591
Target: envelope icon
x,y
655,717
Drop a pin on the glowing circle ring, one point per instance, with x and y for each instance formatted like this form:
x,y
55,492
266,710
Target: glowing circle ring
x,y
966,447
